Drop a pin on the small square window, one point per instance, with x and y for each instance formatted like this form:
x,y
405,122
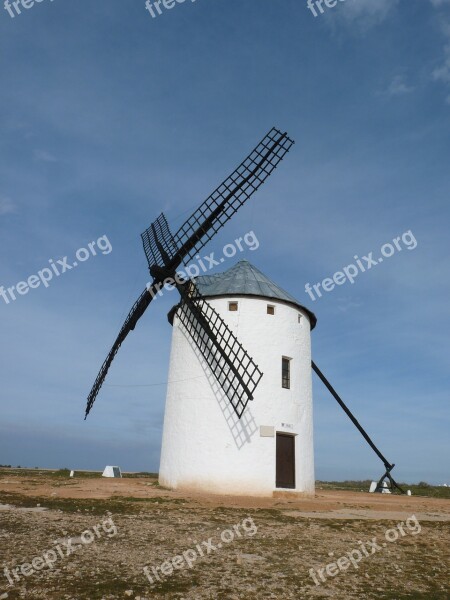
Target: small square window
x,y
286,373
232,306
270,309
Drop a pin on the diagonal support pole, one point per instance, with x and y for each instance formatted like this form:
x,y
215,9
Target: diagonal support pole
x,y
365,435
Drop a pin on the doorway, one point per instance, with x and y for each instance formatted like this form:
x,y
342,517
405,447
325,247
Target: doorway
x,y
285,461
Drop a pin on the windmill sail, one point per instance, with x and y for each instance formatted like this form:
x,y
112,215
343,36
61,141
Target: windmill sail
x,y
159,245
226,200
232,366
138,309
164,250
229,362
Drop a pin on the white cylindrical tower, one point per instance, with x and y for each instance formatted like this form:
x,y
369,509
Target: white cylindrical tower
x,y
205,446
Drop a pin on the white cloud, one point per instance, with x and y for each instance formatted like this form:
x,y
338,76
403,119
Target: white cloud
x,y
438,3
366,13
442,73
6,206
398,87
445,27
345,304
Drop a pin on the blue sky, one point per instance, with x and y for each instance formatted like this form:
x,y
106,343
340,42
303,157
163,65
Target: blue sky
x,y
109,116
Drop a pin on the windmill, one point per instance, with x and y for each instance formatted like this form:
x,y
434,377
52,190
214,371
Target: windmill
x,y
234,371
230,363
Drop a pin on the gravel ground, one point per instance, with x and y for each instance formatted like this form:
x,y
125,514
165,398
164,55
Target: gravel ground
x,y
99,536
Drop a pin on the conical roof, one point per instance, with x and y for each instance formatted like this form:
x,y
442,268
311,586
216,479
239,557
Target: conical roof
x,y
244,279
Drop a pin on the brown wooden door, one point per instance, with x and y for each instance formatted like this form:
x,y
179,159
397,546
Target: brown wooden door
x,y
285,476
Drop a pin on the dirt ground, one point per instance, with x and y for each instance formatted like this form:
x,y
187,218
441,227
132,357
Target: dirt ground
x,y
338,544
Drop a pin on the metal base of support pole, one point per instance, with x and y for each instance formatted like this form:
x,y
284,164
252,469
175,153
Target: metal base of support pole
x,y
392,486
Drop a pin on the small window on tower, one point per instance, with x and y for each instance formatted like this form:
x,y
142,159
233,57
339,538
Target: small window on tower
x,y
232,306
299,318
286,373
270,309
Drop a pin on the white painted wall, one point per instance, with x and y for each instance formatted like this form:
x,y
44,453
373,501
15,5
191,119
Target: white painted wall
x,y
205,447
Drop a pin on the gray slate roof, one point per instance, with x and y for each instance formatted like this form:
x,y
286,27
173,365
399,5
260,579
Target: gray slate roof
x,y
244,279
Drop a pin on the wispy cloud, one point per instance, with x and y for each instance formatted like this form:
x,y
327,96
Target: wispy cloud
x,y
44,156
441,74
366,13
345,304
6,206
398,87
438,3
